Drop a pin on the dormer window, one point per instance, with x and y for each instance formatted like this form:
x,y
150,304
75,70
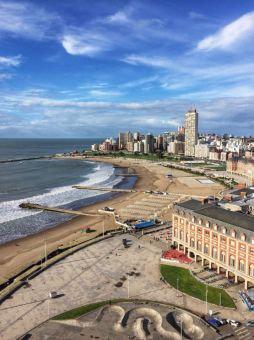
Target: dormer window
x,y
215,227
200,221
224,230
243,237
208,224
233,233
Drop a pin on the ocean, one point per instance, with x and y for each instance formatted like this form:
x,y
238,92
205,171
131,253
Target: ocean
x,y
49,182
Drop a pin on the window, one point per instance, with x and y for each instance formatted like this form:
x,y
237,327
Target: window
x,y
222,257
200,221
242,265
193,219
176,232
243,237
181,235
214,253
206,249
224,230
252,270
233,233
215,227
199,246
232,261
208,224
192,243
187,238
223,239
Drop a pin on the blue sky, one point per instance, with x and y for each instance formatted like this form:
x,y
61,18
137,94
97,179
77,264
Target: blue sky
x,y
91,68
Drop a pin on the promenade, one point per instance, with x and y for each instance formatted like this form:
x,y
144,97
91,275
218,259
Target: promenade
x,y
90,275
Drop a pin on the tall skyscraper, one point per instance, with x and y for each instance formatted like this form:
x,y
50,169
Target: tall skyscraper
x,y
149,143
191,132
124,138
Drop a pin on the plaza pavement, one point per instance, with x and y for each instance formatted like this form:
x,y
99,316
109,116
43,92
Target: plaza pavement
x,y
90,275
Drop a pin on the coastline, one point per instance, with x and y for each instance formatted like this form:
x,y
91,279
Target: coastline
x,y
19,254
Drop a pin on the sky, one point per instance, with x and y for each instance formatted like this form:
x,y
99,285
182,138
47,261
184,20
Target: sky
x,y
85,68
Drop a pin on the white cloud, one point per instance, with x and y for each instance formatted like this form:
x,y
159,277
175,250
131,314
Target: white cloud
x,y
10,61
24,19
84,43
119,17
231,35
148,61
102,93
196,16
5,76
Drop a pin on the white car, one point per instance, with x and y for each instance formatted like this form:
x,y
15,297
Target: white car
x,y
234,323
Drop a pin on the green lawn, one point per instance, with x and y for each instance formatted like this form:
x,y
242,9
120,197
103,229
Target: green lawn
x,y
76,312
191,286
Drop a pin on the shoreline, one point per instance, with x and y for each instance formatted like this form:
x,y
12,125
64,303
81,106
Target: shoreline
x,y
19,254
16,255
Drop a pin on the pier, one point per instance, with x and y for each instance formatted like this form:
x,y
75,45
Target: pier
x,y
29,205
24,159
127,175
104,189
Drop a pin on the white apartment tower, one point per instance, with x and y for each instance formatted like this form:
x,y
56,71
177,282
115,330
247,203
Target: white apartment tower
x,y
191,132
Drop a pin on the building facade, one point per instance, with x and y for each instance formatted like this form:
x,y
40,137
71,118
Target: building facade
x,y
191,132
241,167
221,239
176,148
202,151
149,143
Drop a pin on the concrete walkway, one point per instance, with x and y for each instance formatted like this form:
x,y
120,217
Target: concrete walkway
x,y
90,275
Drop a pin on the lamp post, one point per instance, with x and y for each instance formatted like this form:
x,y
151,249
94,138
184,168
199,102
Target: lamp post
x,y
181,323
45,251
128,286
177,286
206,293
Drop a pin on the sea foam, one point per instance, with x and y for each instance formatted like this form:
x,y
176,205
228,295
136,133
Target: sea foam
x,y
103,174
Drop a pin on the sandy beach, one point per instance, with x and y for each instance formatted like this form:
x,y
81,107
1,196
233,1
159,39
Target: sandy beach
x,y
19,254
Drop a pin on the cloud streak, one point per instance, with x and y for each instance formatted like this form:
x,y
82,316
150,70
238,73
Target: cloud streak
x,y
10,61
230,36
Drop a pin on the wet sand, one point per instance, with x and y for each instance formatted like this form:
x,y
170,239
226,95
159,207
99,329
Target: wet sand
x,y
19,254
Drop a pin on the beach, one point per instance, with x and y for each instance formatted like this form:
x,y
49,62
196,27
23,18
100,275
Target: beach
x,y
17,255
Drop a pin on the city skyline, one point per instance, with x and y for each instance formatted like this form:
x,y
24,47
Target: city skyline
x,y
80,69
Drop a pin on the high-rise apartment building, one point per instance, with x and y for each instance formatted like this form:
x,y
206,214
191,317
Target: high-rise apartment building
x,y
191,132
124,138
149,143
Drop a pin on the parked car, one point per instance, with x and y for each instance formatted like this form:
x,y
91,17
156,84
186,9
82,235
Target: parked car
x,y
221,321
234,323
250,323
109,209
213,322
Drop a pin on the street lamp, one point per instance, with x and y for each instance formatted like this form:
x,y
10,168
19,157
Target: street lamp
x,y
206,293
177,286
